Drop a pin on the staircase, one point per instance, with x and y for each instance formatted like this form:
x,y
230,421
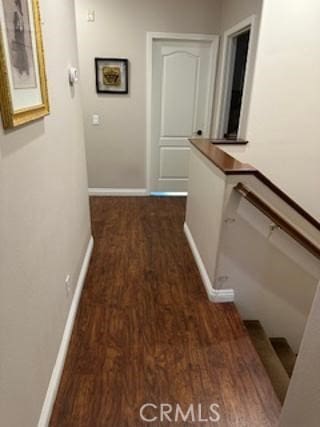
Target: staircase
x,y
276,356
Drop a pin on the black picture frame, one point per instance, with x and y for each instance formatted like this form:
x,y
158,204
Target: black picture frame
x,y
118,88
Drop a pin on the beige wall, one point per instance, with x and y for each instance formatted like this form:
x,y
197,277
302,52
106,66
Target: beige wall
x,y
44,229
302,407
116,150
285,109
235,11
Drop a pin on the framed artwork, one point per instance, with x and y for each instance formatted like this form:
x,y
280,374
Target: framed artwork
x,y
112,75
23,89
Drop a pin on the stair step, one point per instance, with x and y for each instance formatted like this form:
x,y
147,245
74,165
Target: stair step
x,y
285,353
273,366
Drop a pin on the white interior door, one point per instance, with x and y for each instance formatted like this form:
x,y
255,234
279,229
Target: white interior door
x,y
183,73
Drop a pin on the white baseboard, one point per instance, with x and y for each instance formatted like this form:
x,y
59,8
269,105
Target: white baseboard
x,y
214,295
222,295
105,192
58,367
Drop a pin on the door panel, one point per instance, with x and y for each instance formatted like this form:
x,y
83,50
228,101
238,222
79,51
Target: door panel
x,y
182,97
174,162
179,94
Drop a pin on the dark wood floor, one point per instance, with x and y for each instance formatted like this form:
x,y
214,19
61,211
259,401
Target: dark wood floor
x,y
146,332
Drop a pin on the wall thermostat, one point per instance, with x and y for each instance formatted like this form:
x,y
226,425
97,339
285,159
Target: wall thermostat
x,y
73,75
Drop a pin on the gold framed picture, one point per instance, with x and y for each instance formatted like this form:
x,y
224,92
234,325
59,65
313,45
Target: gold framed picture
x,y
23,88
112,75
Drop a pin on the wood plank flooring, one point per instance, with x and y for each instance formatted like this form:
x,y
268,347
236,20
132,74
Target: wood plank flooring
x,y
146,332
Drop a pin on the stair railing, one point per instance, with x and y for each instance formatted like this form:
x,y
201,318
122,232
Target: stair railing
x,y
277,219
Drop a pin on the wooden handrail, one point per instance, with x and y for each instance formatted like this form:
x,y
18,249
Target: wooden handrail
x,y
277,219
231,166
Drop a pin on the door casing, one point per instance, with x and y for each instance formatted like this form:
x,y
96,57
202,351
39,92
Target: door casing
x,y
223,89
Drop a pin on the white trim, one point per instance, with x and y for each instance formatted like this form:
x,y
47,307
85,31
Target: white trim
x,y
226,60
214,295
59,364
151,36
181,36
103,192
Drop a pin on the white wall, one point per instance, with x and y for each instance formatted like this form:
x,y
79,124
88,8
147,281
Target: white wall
x,y
116,150
204,212
302,407
44,228
273,277
285,109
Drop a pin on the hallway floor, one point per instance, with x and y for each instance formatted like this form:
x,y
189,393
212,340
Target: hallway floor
x,y
146,333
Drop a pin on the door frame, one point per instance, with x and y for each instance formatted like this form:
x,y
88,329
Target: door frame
x,y
151,38
227,59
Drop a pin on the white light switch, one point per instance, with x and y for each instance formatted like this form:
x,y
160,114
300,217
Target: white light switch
x,y
95,120
91,16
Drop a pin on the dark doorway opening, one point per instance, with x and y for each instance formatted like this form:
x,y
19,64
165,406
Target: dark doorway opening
x,y
241,48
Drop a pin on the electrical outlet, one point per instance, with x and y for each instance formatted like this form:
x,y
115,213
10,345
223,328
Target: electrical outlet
x,y
68,285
